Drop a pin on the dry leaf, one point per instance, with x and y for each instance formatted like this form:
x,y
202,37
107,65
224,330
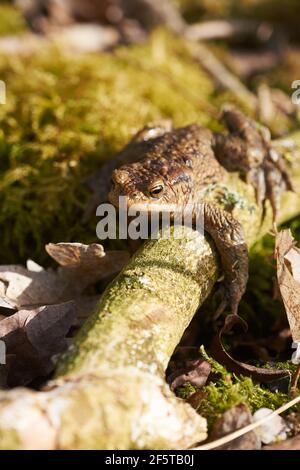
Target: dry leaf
x,y
236,418
195,372
84,265
219,353
33,337
76,254
4,371
24,287
36,332
186,365
288,275
84,306
89,261
81,266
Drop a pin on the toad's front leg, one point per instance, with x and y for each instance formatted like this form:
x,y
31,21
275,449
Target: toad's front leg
x,y
228,236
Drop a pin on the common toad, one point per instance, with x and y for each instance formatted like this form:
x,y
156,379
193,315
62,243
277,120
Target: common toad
x,y
175,166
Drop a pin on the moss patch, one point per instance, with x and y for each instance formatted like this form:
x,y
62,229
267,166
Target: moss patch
x,y
65,116
226,390
11,20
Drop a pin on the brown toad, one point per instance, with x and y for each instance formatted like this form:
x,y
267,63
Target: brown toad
x,y
175,166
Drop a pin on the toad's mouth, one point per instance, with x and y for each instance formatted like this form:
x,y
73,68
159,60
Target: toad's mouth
x,y
125,203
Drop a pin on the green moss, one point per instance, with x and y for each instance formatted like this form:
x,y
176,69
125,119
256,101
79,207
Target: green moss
x,y
186,390
70,114
11,21
227,390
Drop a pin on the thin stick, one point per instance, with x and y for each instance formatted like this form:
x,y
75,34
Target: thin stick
x,y
250,427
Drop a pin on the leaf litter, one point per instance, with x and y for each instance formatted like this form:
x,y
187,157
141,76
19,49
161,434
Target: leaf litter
x,y
40,308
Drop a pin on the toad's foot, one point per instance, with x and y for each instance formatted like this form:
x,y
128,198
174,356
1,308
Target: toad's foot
x,y
248,149
270,180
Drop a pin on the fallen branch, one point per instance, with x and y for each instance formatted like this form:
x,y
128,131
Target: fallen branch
x,y
109,391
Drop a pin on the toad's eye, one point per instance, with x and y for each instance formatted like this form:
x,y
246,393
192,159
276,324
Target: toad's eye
x,y
156,190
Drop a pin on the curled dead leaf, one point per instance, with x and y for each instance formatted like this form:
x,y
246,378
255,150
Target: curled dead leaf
x,y
75,254
83,265
288,275
219,353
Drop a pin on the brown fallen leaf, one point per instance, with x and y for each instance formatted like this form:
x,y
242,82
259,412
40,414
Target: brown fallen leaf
x,y
236,418
186,365
4,370
33,337
25,287
288,274
6,306
85,305
219,353
88,257
75,254
84,265
81,266
195,372
40,307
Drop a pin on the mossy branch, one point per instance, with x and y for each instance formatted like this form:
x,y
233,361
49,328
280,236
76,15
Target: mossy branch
x,y
109,391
